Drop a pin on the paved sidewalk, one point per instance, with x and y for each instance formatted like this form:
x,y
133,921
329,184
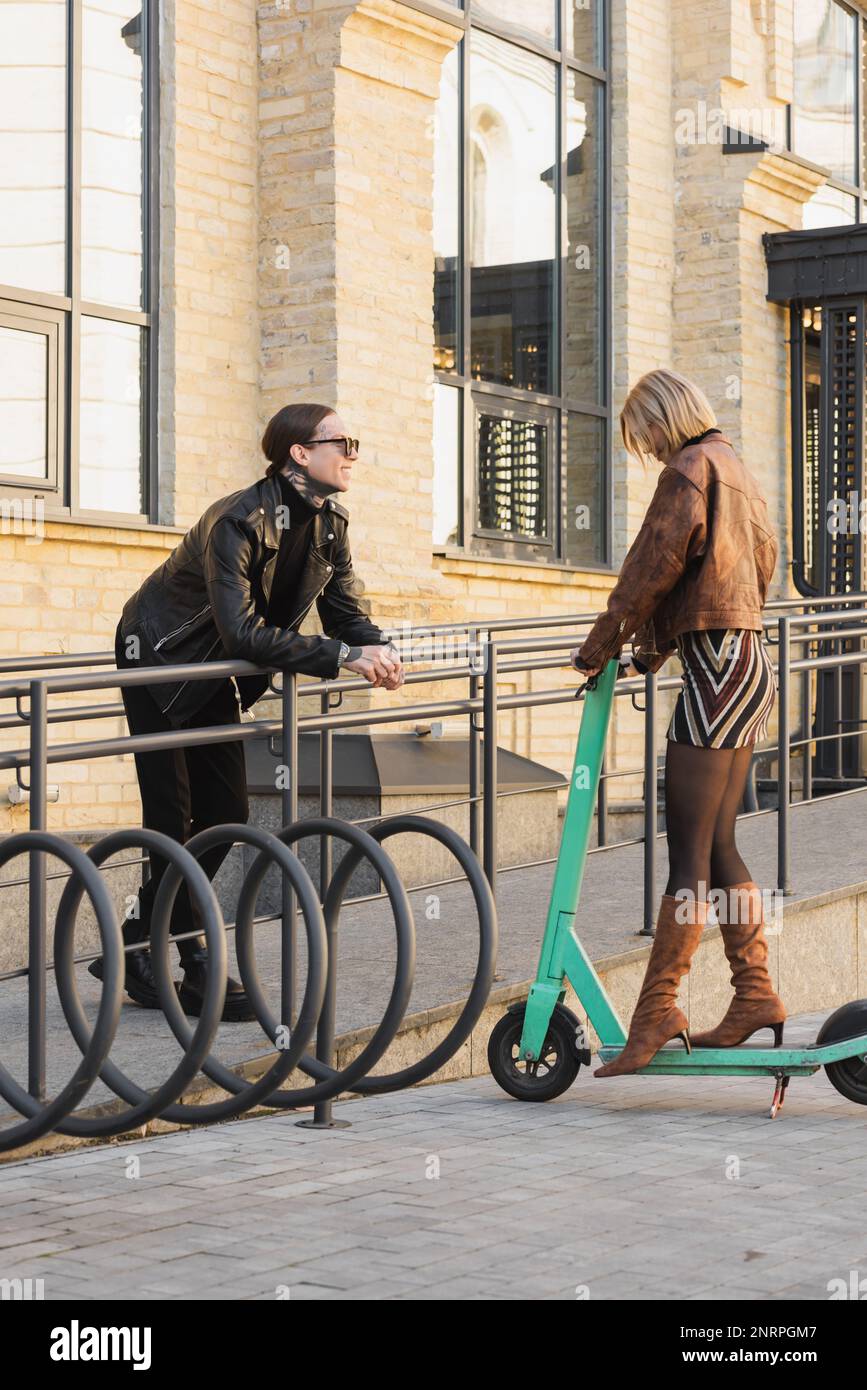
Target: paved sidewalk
x,y
666,1189
829,852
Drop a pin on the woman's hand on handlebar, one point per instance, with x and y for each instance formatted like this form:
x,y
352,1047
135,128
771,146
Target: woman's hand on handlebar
x,y
626,667
576,662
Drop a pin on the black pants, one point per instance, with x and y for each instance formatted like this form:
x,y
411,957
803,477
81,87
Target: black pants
x,y
183,791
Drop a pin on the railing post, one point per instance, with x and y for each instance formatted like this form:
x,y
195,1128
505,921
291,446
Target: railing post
x,y
37,960
807,725
650,805
289,815
474,750
838,713
783,756
489,766
322,1114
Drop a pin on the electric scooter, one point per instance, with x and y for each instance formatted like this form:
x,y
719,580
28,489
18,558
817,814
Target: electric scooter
x,y
538,1047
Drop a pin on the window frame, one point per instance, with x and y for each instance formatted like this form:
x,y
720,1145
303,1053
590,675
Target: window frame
x,y
541,549
554,406
49,323
856,191
61,502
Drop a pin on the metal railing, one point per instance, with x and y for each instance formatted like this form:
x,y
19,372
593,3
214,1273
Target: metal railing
x,y
484,652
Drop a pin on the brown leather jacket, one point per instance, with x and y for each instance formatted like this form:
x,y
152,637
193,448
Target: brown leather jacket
x,y
704,558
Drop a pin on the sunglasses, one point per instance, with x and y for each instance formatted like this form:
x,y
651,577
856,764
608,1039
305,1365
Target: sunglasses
x,y
350,446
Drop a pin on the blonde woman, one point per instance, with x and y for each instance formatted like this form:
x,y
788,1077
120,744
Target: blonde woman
x,y
694,582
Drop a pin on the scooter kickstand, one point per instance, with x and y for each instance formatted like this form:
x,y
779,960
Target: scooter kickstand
x,y
779,1094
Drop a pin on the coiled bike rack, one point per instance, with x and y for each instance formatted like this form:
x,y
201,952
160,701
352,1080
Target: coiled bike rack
x,y
321,921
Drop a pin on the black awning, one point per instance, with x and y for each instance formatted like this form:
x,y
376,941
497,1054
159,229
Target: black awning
x,y
816,265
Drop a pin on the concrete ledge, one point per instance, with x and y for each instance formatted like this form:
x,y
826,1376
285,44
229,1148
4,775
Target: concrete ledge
x,y
817,958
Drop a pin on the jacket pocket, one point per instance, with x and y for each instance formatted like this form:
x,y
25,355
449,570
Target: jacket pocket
x,y
181,631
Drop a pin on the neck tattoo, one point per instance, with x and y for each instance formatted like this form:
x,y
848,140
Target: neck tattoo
x,y
311,489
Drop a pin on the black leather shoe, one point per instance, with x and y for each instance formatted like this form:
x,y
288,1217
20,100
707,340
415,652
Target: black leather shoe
x,y
237,1008
139,981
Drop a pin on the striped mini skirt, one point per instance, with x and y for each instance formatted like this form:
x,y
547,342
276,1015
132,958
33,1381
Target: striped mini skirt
x,y
729,688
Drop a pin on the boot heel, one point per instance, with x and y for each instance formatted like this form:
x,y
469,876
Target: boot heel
x,y
778,1034
684,1037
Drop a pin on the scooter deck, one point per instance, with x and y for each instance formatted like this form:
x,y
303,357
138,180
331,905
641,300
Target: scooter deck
x,y
674,1060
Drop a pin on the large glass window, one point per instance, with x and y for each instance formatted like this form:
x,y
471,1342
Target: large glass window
x,y
584,363
534,17
447,214
33,145
521,284
76,351
513,214
825,108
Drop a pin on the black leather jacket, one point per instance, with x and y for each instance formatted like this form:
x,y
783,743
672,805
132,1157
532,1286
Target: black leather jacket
x,y
208,601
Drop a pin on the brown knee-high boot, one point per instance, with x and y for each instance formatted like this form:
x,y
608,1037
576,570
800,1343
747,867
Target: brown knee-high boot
x,y
656,1018
755,1004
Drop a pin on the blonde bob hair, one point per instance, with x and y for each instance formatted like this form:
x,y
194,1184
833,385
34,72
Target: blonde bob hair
x,y
669,400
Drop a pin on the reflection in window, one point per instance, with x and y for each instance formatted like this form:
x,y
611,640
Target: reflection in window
x,y
536,17
23,403
582,492
584,20
513,214
583,364
446,214
512,473
823,111
830,207
33,146
522,135
110,471
446,488
92,57
111,161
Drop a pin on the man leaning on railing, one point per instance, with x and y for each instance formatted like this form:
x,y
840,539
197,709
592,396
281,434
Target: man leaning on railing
x,y
238,586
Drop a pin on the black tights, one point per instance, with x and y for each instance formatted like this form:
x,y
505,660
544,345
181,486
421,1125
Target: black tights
x,y
703,792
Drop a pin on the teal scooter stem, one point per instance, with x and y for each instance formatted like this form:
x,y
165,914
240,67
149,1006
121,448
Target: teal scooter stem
x,y
536,1050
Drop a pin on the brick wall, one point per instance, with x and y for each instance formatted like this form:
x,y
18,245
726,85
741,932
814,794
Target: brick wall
x,y
297,264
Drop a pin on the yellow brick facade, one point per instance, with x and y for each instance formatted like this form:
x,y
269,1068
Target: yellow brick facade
x,y
296,263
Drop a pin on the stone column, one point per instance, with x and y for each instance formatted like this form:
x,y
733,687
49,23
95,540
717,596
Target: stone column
x,y
347,100
733,66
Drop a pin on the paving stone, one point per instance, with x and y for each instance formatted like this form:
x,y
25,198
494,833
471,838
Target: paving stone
x,y
625,1192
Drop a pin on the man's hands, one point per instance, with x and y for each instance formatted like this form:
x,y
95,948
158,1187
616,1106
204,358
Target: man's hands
x,y
380,666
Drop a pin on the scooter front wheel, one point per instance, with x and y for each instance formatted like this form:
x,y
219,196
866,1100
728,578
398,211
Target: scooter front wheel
x,y
848,1076
554,1071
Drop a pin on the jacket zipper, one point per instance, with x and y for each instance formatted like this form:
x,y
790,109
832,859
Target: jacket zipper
x,y
174,633
302,614
304,611
165,708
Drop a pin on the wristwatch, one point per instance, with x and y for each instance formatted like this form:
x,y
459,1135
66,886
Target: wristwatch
x,y
348,653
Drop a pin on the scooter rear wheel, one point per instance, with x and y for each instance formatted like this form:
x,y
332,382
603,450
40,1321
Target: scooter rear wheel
x,y
556,1068
848,1076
